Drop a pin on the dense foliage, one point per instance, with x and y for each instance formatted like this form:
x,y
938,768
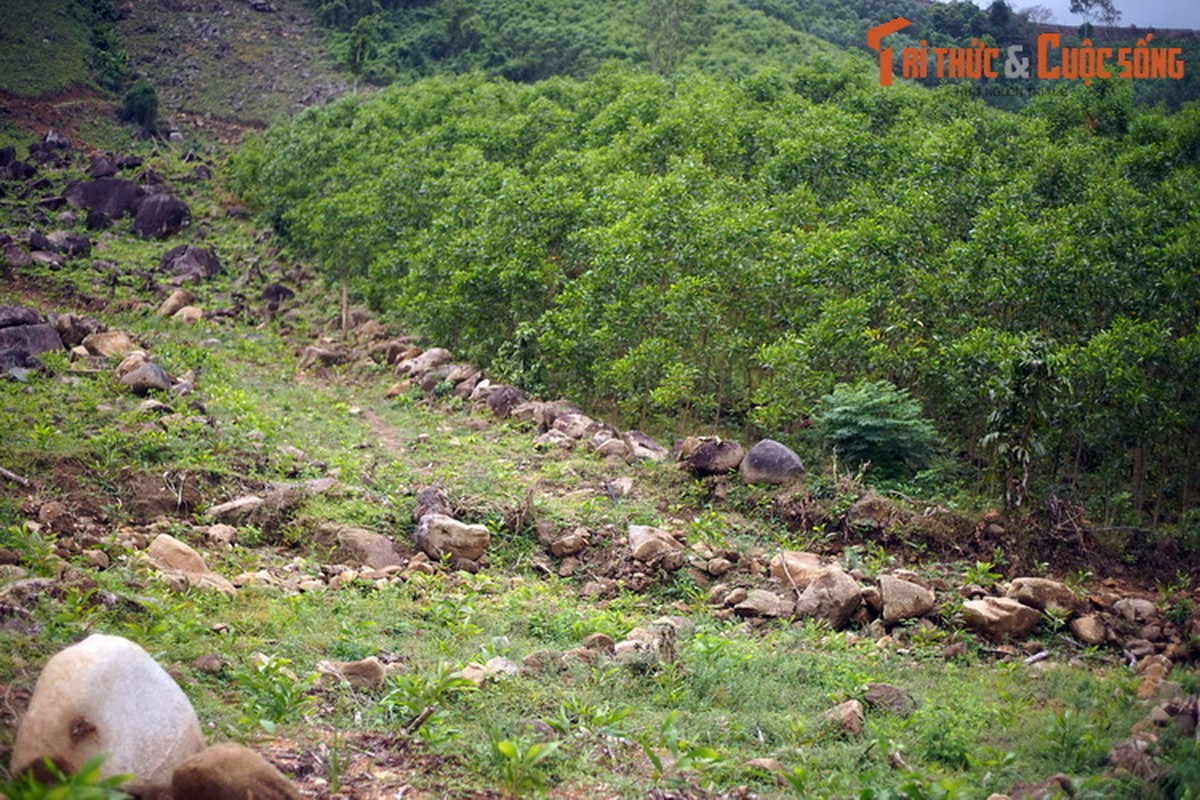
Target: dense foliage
x,y
730,251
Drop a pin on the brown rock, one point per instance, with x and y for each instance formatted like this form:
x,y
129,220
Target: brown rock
x,y
710,456
652,544
903,599
108,343
369,673
1043,594
798,568
847,717
1089,629
230,772
1000,618
188,315
832,596
178,299
892,699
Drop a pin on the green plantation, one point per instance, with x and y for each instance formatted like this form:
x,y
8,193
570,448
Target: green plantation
x,y
726,252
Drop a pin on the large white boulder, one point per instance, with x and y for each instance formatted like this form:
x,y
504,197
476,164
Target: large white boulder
x,y
107,695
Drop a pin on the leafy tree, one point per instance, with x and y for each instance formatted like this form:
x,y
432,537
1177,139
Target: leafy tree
x,y
673,29
140,106
1101,10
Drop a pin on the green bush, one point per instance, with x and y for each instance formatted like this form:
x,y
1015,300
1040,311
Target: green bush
x,y
140,106
877,423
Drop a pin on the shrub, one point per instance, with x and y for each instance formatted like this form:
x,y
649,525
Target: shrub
x,y
877,423
140,106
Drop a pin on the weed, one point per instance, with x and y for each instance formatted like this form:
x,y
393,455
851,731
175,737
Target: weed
x,y
522,767
982,574
273,693
413,703
674,757
85,783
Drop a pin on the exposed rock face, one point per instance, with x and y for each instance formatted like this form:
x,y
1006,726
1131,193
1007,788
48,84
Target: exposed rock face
x,y
189,262
903,599
1000,618
793,567
770,462
1044,594
106,695
438,534
832,596
161,215
703,457
230,772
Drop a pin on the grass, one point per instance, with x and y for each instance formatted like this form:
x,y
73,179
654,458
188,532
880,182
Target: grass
x,y
43,48
734,692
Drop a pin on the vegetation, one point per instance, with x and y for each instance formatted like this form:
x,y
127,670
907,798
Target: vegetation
x,y
727,252
140,106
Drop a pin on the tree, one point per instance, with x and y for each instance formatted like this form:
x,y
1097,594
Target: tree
x,y
1100,10
673,29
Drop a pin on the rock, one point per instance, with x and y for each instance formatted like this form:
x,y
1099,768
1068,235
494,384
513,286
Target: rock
x,y
1054,788
577,426
793,567
832,596
161,215
189,315
847,717
15,256
770,462
172,557
326,356
369,673
97,221
769,765
221,536
892,699
73,330
903,599
1000,618
370,549
129,363
1089,629
11,316
230,772
190,263
113,197
643,448
101,167
145,378
648,544
503,399
30,339
1136,609
72,245
570,544
276,294
178,299
108,343
438,534
1043,594
417,366
240,509
431,500
761,603
871,512
107,695
710,456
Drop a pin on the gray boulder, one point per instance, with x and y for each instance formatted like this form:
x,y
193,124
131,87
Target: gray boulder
x,y
710,456
190,262
113,197
11,316
770,462
161,215
147,377
30,339
107,695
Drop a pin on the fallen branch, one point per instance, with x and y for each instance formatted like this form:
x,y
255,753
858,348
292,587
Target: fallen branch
x,y
15,478
414,724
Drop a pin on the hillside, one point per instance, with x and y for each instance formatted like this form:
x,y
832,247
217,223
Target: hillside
x,y
722,427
